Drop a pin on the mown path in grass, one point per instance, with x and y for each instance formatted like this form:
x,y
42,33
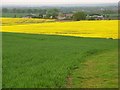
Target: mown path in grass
x,y
97,71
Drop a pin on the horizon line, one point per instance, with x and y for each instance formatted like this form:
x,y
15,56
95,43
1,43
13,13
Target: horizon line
x,y
53,4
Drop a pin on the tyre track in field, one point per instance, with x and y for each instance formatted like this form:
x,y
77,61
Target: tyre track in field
x,y
89,77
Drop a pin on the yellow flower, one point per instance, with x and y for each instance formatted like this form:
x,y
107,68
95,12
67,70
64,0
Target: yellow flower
x,y
101,29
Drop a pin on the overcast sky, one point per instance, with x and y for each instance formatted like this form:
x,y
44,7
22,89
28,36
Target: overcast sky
x,y
47,2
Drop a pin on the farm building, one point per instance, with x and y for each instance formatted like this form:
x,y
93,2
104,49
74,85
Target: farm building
x,y
64,16
44,16
95,17
30,16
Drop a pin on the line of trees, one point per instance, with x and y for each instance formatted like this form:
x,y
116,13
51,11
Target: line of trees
x,y
43,11
25,10
47,12
40,12
51,12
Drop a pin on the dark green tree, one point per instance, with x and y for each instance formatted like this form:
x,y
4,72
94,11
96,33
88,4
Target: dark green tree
x,y
108,12
79,16
30,11
5,10
14,10
41,12
52,12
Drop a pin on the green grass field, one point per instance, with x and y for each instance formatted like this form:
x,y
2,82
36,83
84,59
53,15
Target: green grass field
x,y
37,61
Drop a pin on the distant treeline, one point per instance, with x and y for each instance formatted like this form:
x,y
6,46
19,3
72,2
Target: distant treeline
x,y
110,11
23,10
100,10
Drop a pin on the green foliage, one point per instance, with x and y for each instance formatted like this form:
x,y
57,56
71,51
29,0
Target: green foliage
x,y
108,12
19,12
12,15
36,61
79,16
5,10
52,12
40,11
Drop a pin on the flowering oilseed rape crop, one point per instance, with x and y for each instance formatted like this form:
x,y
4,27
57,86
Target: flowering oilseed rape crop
x,y
101,29
18,21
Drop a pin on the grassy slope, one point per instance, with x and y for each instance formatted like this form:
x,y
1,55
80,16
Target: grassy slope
x,y
46,61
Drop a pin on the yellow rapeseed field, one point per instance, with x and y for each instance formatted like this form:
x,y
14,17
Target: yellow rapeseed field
x,y
100,29
16,21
